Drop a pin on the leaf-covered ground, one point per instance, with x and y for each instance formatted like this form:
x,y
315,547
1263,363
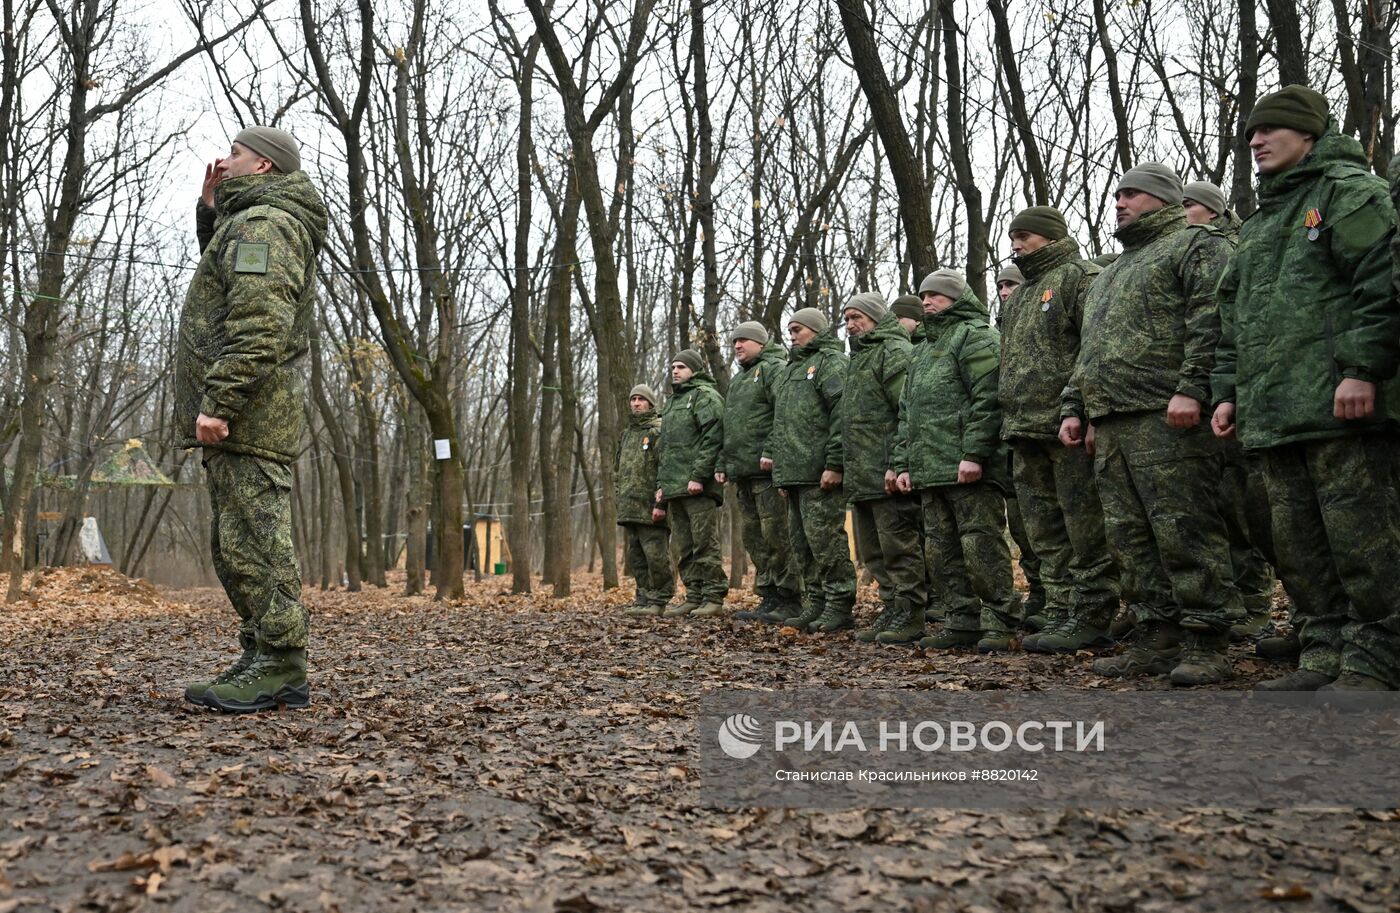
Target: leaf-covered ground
x,y
525,753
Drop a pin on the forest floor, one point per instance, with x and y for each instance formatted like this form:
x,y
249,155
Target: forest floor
x,y
523,753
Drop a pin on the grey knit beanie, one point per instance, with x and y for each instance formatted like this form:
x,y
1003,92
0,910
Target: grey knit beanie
x,y
949,282
908,306
1207,194
750,329
646,391
871,304
812,319
277,146
1011,273
1153,178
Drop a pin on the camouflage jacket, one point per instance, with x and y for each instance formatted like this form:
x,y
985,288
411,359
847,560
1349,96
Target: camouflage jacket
x,y
692,430
870,406
748,412
1308,299
949,411
1150,322
806,438
636,468
1040,338
245,326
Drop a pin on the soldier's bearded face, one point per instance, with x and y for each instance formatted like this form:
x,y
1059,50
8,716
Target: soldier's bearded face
x,y
1277,149
1130,205
240,161
640,405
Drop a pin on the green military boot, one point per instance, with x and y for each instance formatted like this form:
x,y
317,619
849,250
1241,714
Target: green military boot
x,y
1040,625
275,678
642,609
904,628
680,608
934,611
764,606
882,621
1122,624
947,640
1069,636
1280,648
785,606
1297,680
833,619
194,691
708,610
1254,625
804,619
1203,659
1152,649
995,642
1034,616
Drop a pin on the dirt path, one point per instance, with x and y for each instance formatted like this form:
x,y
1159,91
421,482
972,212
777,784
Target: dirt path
x,y
513,754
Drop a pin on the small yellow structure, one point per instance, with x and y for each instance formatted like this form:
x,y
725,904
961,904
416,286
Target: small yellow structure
x,y
491,555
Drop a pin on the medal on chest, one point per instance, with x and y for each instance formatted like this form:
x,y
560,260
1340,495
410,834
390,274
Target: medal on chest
x,y
646,443
811,371
1313,223
1046,298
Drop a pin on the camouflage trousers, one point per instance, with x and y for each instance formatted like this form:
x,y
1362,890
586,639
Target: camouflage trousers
x,y
1158,488
1336,512
252,547
817,522
1245,510
766,538
1064,520
648,558
965,533
1028,559
695,544
889,541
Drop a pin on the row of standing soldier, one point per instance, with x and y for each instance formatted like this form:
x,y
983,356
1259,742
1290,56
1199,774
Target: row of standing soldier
x,y
1162,426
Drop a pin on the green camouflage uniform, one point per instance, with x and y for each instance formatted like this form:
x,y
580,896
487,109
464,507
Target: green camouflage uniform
x,y
748,420
887,527
244,337
949,413
692,429
806,441
1149,332
1301,310
647,542
1040,328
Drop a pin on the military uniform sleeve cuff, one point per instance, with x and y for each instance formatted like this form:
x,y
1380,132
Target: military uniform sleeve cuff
x,y
1192,391
215,409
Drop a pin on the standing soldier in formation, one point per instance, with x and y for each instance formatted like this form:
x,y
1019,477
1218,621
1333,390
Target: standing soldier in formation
x,y
692,430
244,334
887,524
949,449
1136,396
1306,379
1244,504
1054,484
805,449
643,521
748,420
1010,278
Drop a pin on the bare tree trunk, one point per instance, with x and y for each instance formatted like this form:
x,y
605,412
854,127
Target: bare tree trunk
x,y
1288,41
959,147
1123,143
340,452
1243,183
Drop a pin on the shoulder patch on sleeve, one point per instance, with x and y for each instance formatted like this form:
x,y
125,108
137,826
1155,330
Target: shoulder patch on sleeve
x,y
250,257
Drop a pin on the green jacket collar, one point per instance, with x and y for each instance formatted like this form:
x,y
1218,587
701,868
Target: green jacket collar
x,y
886,328
1148,228
824,342
1038,263
967,309
292,193
647,419
697,380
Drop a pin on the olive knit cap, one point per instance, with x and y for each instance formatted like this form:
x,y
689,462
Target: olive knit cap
x,y
691,359
644,391
908,306
871,304
750,329
1011,273
1046,221
1207,194
1295,106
